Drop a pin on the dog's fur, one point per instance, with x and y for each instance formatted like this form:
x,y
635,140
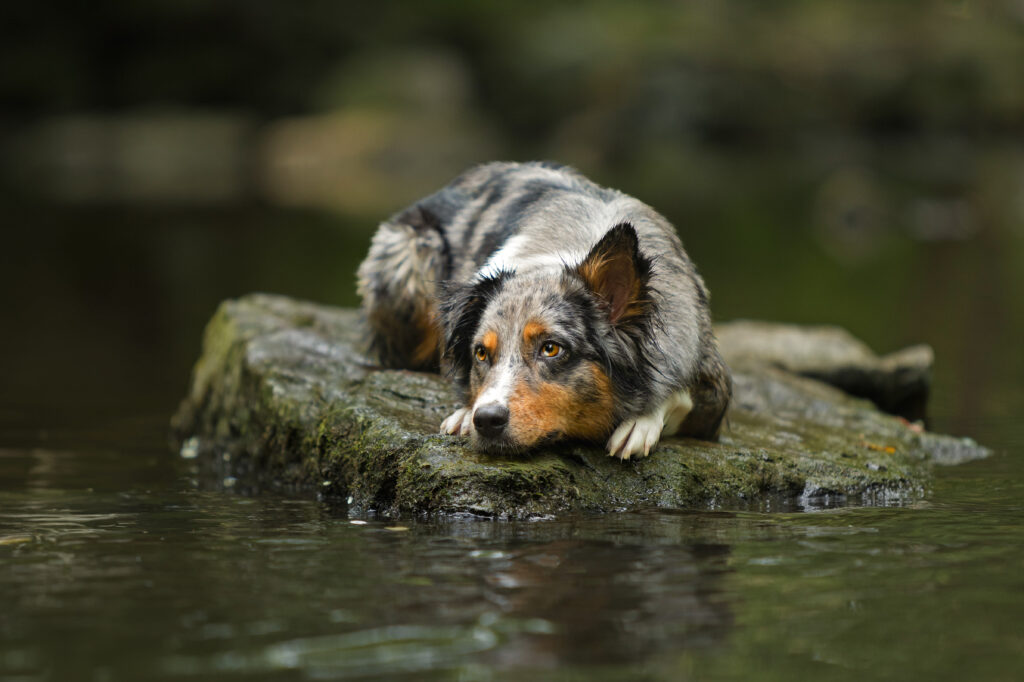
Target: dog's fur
x,y
560,309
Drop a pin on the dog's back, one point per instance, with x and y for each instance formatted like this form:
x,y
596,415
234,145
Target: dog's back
x,y
450,235
496,217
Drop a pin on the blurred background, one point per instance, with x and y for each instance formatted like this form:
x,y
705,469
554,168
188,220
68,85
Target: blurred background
x,y
858,163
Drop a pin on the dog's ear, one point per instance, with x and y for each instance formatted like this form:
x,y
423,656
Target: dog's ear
x,y
617,272
461,307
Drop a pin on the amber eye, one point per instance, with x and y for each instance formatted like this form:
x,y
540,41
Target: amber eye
x,y
550,349
481,354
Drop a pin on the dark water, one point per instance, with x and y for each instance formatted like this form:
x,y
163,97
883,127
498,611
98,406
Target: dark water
x,y
115,567
119,562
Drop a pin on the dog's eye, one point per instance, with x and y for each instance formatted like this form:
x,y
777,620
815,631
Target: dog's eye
x,y
550,349
481,353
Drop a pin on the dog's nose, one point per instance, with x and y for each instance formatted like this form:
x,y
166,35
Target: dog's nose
x,y
491,419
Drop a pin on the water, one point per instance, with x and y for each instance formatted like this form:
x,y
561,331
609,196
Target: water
x,y
119,561
117,567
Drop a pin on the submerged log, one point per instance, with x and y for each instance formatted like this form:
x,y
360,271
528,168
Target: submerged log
x,y
283,392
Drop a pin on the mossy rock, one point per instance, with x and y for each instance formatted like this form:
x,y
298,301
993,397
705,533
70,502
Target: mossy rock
x,y
283,392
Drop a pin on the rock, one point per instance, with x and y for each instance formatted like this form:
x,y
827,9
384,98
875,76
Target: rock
x,y
281,395
897,383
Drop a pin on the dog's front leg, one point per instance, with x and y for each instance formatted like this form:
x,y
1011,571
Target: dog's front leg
x,y
459,422
637,435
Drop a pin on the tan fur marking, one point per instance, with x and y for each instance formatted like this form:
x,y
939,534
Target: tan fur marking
x,y
552,408
535,414
593,418
428,351
605,272
490,342
532,331
592,268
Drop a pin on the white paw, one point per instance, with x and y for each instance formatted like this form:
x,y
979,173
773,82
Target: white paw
x,y
640,434
459,422
635,436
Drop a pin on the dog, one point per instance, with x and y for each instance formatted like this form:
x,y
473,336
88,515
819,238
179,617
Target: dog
x,y
561,309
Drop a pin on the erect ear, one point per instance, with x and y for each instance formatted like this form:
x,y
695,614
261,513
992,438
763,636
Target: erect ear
x,y
461,306
617,272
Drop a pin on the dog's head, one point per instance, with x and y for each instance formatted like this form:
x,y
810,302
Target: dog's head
x,y
537,352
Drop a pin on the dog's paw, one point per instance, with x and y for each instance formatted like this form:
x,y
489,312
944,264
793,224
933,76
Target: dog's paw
x,y
636,436
458,423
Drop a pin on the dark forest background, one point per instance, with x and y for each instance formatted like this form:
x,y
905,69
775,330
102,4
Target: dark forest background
x,y
857,163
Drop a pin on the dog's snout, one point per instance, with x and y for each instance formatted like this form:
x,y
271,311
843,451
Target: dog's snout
x,y
490,420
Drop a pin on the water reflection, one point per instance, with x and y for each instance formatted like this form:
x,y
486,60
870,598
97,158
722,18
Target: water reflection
x,y
198,583
170,582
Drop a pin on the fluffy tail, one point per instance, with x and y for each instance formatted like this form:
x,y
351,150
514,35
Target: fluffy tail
x,y
408,257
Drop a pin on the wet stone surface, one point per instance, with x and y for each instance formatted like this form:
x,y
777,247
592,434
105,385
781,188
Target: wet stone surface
x,y
898,383
282,397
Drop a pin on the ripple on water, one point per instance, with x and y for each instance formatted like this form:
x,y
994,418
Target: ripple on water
x,y
374,651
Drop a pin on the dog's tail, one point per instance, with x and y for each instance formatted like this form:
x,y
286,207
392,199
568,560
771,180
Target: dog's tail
x,y
398,281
